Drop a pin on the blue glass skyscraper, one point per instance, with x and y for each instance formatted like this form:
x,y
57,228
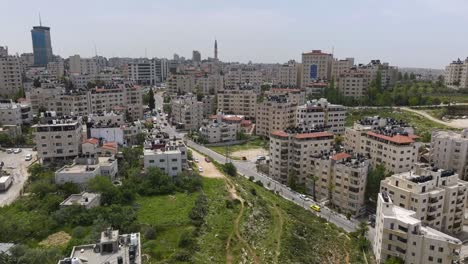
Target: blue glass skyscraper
x,y
42,47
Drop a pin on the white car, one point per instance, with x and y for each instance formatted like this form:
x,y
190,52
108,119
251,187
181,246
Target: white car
x,y
196,160
17,150
28,157
200,169
9,151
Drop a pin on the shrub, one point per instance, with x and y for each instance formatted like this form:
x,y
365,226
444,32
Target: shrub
x,y
150,233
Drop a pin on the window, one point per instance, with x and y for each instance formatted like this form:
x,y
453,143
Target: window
x,y
151,161
162,160
431,247
431,258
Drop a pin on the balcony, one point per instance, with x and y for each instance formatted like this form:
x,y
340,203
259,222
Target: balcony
x,y
459,201
432,209
461,193
430,218
433,200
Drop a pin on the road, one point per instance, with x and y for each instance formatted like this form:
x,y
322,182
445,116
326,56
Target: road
x,y
248,169
18,168
426,115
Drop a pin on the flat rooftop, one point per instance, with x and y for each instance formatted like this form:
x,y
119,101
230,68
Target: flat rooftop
x,y
80,199
81,168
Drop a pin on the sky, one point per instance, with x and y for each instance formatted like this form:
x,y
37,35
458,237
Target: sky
x,y
406,33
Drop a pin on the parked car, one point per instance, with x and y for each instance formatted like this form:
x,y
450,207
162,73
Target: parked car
x,y
17,150
9,151
207,159
28,157
200,169
196,160
259,158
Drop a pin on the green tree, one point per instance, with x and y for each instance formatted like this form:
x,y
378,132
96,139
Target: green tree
x,y
314,180
230,169
374,177
292,180
151,102
394,260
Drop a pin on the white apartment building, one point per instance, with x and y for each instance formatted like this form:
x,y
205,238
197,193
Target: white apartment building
x,y
10,74
14,113
400,233
386,141
291,152
187,112
143,72
346,174
80,81
44,97
180,83
323,114
56,68
340,66
238,102
78,65
449,150
168,159
288,74
436,196
275,113
84,169
354,83
224,128
210,83
243,75
456,74
388,74
316,65
58,138
296,96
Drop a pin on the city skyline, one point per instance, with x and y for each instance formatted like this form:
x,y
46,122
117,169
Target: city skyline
x,y
403,33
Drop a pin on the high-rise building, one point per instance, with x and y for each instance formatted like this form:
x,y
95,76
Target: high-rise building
x,y
216,50
187,112
275,113
353,82
10,74
456,74
449,150
196,56
400,233
42,46
316,65
288,74
339,66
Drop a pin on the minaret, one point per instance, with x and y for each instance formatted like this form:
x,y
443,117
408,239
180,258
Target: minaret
x,y
216,50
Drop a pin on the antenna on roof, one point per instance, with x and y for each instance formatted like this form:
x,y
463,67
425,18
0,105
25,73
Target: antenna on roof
x,y
40,20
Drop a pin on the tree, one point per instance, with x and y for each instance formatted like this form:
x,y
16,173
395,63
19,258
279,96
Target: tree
x,y
405,76
374,177
292,180
151,102
394,260
230,169
314,180
140,138
37,82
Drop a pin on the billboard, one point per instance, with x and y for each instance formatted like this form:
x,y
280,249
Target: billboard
x,y
313,71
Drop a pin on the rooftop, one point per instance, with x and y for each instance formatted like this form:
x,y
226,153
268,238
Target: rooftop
x,y
83,198
82,168
398,139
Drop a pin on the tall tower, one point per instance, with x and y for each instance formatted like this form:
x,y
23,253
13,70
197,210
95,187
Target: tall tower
x,y
42,46
216,50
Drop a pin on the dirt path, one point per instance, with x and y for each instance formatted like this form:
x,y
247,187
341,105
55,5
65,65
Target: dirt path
x,y
209,169
279,233
426,115
250,154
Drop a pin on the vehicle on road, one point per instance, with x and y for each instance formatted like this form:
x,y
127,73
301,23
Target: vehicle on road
x,y
260,158
207,159
196,160
9,151
28,157
5,182
200,169
17,150
315,207
244,158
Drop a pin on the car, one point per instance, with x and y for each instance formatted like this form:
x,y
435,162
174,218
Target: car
x,y
259,158
315,207
200,169
17,150
9,151
28,157
207,159
196,160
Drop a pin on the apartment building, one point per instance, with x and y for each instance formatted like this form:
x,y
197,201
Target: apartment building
x,y
180,83
449,150
456,74
339,178
10,74
169,156
354,83
341,66
84,199
225,128
238,102
386,141
209,83
400,233
315,89
274,113
288,75
57,138
436,196
187,112
388,74
316,65
78,65
243,75
44,97
56,68
85,168
322,113
80,81
14,113
296,96
291,151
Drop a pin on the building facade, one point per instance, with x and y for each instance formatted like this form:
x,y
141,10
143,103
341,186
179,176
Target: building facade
x,y
10,74
275,113
42,46
322,113
187,112
449,150
238,102
354,83
316,65
456,74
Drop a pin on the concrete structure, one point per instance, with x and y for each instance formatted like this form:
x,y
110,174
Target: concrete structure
x,y
243,75
58,138
187,112
288,75
170,158
14,113
436,196
340,66
112,248
400,233
275,113
10,74
456,74
295,96
42,46
354,83
225,128
80,65
86,168
291,151
449,150
386,141
84,199
238,102
196,56
80,81
316,65
56,68
315,89
346,174
322,113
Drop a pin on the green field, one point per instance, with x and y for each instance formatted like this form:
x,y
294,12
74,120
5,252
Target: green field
x,y
422,126
257,143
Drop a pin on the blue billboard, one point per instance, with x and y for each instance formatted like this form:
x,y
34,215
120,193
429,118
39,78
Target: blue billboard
x,y
313,71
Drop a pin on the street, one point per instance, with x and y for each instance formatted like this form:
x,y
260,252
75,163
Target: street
x,y
17,167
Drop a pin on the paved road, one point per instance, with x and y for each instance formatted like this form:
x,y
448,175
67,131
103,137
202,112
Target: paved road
x,y
248,169
17,167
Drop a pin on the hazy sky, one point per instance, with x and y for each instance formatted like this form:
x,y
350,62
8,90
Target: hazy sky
x,y
420,33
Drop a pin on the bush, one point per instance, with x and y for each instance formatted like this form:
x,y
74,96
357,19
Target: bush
x,y
230,169
253,191
150,233
186,240
259,183
199,211
79,232
251,178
